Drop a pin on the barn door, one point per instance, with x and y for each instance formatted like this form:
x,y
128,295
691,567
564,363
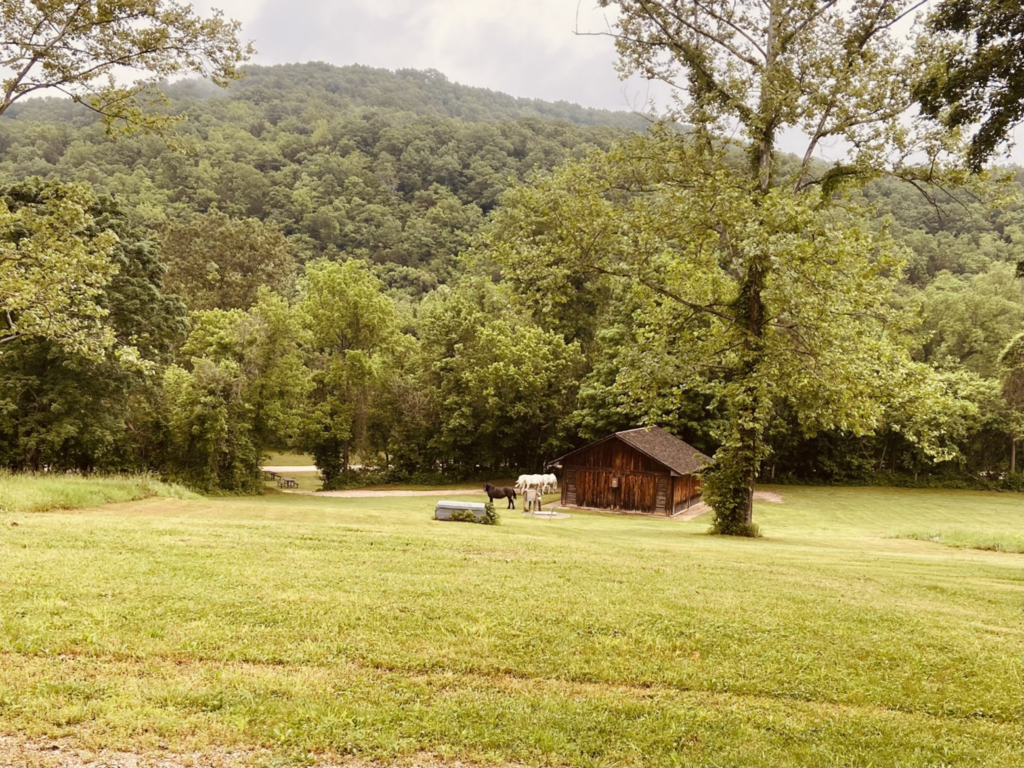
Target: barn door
x,y
569,486
661,494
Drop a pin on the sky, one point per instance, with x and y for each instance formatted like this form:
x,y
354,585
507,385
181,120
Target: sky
x,y
524,48
521,47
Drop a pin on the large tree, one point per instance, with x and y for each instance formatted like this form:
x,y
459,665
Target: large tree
x,y
240,391
89,50
976,73
762,286
61,405
353,332
54,265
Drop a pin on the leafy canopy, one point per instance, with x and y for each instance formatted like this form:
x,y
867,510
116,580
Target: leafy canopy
x,y
54,265
82,49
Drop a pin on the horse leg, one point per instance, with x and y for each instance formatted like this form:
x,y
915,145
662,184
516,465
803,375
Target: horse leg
x,y
511,503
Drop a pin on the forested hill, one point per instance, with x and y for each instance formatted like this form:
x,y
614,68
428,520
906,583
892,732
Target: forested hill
x,y
397,168
401,168
291,88
423,92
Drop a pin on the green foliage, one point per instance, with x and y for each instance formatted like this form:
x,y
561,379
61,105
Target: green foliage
x,y
243,388
79,50
206,438
971,319
975,48
490,516
757,284
67,409
686,241
216,262
412,363
353,339
54,264
726,489
393,168
502,389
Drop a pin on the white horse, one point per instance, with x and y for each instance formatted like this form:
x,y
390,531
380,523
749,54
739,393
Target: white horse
x,y
529,481
548,483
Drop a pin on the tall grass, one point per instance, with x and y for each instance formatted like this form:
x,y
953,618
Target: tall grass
x,y
39,492
964,539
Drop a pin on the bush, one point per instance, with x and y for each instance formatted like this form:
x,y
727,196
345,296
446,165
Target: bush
x,y
468,516
750,530
1010,481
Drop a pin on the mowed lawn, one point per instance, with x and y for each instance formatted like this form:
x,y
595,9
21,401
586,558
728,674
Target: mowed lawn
x,y
302,630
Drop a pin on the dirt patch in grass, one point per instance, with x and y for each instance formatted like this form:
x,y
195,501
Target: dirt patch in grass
x,y
18,750
770,496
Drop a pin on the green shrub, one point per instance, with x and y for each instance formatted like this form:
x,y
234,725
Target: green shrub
x,y
469,516
726,491
490,515
750,530
1010,481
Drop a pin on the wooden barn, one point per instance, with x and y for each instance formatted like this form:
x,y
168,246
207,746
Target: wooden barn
x,y
639,470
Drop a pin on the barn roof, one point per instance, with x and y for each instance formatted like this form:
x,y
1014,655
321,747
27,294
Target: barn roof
x,y
661,446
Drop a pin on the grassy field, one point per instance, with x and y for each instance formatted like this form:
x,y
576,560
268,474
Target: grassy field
x,y
299,630
283,459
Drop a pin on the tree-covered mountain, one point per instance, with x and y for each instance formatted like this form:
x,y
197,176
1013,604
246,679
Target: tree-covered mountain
x,y
338,88
397,168
395,174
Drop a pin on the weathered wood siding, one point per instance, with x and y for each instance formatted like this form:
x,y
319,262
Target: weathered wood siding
x,y
686,488
569,486
616,456
594,489
643,484
661,493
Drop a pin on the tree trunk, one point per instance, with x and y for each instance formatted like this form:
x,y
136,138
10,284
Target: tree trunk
x,y
753,313
1013,455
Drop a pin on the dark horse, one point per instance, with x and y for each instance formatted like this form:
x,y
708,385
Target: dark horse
x,y
501,493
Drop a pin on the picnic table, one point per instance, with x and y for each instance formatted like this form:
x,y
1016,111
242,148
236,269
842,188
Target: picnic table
x,y
282,481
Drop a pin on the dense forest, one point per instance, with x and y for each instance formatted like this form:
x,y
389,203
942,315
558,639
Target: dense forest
x,y
313,262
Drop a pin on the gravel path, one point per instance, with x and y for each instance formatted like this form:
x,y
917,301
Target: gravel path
x,y
365,494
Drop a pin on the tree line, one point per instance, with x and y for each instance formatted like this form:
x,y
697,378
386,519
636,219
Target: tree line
x,y
390,270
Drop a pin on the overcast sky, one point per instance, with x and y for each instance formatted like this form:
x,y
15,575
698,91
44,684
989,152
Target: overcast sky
x,y
521,47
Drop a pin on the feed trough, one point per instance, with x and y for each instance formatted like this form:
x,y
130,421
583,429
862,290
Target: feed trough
x,y
443,510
